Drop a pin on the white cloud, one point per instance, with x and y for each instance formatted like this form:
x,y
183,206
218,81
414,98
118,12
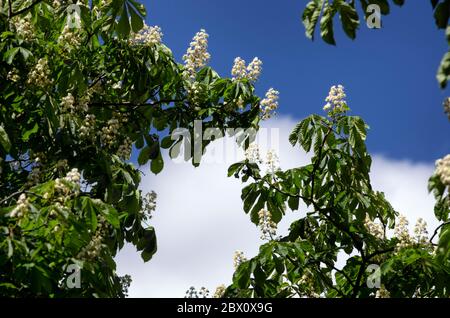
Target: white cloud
x,y
200,221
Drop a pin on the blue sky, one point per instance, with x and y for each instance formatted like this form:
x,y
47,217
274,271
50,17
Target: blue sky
x,y
389,74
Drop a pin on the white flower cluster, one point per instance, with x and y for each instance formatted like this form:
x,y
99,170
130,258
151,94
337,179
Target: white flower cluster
x,y
39,75
68,103
251,72
420,231
124,150
447,107
87,129
24,27
109,132
13,75
382,292
196,92
307,281
69,38
402,233
252,153
197,54
267,227
149,203
193,293
269,104
220,291
443,169
238,259
95,246
375,229
272,162
22,207
73,177
335,99
148,35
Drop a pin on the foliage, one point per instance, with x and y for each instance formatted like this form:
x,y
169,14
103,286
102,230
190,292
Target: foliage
x,y
72,103
341,215
320,14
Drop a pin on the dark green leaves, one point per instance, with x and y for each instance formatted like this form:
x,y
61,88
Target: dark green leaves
x,y
442,13
326,23
311,16
347,12
148,244
349,19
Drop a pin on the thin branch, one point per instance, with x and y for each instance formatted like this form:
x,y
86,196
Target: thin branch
x,y
437,229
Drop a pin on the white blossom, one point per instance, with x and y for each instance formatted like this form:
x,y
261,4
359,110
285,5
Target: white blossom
x,y
252,153
382,292
272,162
250,72
335,99
93,249
402,233
87,129
196,55
239,70
220,291
124,150
148,35
420,231
269,104
39,75
108,133
443,169
21,208
149,203
69,39
375,229
307,281
68,103
73,177
238,258
13,75
447,107
267,227
254,69
24,27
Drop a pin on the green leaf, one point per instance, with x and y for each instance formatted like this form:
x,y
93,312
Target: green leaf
x,y
144,156
4,140
150,244
123,27
110,213
30,132
349,19
136,21
157,164
10,54
326,24
442,13
310,17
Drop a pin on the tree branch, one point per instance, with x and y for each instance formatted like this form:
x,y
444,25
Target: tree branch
x,y
437,229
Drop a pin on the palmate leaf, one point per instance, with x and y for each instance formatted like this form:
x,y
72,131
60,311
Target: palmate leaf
x,y
350,21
